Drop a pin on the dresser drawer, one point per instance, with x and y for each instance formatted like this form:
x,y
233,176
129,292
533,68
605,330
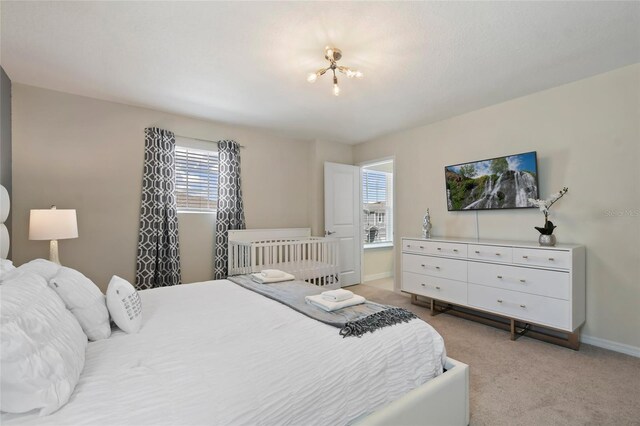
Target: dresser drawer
x,y
492,253
528,307
528,280
435,247
435,266
414,246
446,249
541,257
434,287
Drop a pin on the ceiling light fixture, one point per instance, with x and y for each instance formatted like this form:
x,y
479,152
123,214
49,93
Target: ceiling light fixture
x,y
333,55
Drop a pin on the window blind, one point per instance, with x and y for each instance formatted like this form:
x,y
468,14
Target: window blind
x,y
377,203
374,186
196,179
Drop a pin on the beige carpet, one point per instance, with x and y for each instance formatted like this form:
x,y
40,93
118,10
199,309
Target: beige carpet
x,y
383,283
529,382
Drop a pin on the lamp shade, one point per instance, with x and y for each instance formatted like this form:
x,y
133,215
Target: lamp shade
x,y
53,224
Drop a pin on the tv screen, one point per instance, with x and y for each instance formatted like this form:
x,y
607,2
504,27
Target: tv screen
x,y
498,183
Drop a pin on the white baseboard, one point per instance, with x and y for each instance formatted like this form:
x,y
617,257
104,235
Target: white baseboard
x,y
379,276
611,345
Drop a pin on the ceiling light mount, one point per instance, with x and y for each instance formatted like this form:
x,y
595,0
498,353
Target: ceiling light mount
x,y
333,55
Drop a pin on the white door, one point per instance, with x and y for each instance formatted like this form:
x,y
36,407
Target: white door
x,y
342,217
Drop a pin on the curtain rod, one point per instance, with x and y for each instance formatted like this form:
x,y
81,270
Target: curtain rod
x,y
199,139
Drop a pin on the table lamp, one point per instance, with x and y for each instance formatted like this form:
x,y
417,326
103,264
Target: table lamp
x,y
53,224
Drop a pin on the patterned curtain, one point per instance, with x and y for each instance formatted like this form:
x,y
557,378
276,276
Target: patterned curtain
x,y
158,263
230,213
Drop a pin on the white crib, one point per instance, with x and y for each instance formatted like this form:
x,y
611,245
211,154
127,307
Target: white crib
x,y
293,250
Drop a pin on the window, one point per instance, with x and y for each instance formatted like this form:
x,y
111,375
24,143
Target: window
x,y
196,179
377,203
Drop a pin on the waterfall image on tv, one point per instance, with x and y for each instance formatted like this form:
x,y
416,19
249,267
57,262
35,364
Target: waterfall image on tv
x,y
498,183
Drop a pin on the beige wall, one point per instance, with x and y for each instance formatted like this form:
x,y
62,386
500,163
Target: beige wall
x,y
377,263
87,154
587,135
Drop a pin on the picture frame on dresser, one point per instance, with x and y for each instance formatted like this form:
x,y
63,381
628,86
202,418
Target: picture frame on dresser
x,y
517,286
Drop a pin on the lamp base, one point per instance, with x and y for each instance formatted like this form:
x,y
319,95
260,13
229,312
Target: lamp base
x,y
53,252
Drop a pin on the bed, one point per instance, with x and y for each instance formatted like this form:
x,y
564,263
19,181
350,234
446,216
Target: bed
x,y
293,250
216,353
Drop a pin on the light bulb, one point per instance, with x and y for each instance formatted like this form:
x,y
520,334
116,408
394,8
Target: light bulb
x,y
312,77
358,74
350,74
336,89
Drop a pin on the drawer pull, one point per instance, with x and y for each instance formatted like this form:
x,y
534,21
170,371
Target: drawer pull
x,y
421,247
437,267
523,306
423,285
455,250
408,245
439,248
500,276
525,257
551,259
437,288
423,265
499,300
523,281
497,254
477,251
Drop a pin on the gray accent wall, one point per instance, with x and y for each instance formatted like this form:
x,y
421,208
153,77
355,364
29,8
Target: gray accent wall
x,y
5,138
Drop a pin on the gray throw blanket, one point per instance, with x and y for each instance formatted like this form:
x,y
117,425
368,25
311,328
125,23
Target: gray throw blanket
x,y
352,321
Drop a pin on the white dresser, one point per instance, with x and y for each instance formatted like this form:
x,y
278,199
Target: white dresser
x,y
538,290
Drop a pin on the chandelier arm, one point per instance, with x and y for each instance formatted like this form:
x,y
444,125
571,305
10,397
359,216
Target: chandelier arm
x,y
321,71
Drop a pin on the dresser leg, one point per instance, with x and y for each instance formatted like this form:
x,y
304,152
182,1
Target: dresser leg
x,y
514,330
573,340
419,302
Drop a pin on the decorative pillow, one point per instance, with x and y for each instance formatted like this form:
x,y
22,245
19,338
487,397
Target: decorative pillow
x,y
124,305
85,301
42,267
42,347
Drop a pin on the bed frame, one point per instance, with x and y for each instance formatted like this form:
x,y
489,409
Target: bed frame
x,y
442,401
293,250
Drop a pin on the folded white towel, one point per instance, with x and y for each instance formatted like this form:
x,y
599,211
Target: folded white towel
x,y
328,306
264,280
272,273
336,295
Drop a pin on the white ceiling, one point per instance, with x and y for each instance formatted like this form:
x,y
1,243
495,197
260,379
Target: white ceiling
x,y
246,62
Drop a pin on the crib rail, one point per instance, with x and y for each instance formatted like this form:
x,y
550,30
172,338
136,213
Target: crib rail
x,y
312,259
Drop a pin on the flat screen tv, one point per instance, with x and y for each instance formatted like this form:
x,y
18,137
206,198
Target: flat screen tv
x,y
497,183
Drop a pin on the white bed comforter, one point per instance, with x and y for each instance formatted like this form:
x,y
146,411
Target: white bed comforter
x,y
215,353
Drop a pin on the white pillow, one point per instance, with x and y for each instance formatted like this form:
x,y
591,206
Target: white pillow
x,y
42,347
42,267
124,305
85,300
6,266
